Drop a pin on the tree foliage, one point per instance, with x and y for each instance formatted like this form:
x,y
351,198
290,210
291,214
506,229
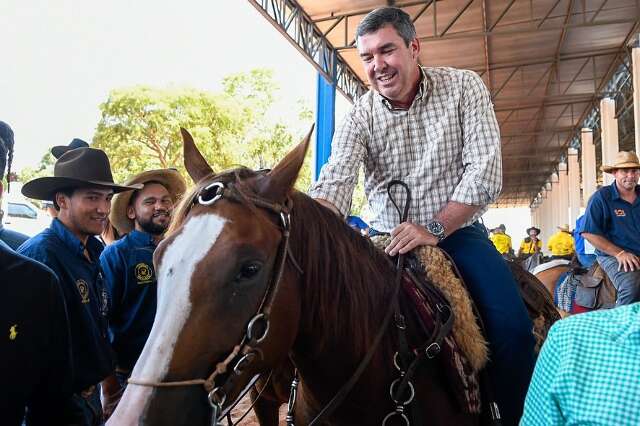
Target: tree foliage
x,y
139,128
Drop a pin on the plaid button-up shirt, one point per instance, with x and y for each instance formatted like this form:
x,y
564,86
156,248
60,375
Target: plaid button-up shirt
x,y
446,147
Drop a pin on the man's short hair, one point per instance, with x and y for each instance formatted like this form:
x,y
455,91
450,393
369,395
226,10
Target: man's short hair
x,y
383,16
6,148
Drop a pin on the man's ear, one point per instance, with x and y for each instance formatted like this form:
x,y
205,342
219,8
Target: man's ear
x,y
61,200
415,48
131,213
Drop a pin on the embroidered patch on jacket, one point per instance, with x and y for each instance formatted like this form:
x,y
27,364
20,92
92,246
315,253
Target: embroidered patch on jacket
x,y
619,212
144,273
83,289
13,332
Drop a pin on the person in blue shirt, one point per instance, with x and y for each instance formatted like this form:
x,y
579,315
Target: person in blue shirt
x,y
612,226
587,371
358,224
144,216
81,190
585,259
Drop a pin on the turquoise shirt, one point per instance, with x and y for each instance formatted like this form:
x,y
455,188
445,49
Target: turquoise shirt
x,y
588,372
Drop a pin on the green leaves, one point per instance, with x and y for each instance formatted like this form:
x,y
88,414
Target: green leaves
x,y
139,128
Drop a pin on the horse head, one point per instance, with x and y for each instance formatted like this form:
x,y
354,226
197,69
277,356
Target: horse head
x,y
228,306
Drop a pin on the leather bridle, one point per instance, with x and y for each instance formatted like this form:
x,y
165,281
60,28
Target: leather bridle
x,y
226,373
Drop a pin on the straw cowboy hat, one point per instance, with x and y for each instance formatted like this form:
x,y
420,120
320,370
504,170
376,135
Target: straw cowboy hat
x,y
533,228
169,178
78,168
59,150
623,160
564,228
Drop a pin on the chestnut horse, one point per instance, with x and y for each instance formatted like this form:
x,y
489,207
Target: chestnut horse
x,y
325,296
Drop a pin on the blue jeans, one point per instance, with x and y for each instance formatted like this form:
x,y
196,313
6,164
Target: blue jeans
x,y
505,317
626,283
586,260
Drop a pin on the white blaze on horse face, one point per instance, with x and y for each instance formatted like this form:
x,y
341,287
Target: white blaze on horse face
x,y
178,263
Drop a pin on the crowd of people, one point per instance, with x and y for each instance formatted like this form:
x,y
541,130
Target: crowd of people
x,y
433,127
73,347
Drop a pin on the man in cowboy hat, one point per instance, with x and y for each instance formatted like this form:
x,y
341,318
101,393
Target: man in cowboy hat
x,y
611,226
143,215
531,244
561,244
81,189
33,320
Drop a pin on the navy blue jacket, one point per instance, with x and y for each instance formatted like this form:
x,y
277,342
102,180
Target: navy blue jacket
x,y
613,218
35,349
131,281
85,295
12,238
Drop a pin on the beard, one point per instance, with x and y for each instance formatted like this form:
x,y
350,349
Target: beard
x,y
150,227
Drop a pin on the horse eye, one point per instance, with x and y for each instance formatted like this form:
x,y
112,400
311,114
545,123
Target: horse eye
x,y
248,271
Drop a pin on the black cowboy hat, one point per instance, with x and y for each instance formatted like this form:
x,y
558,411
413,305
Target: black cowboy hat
x,y
77,168
534,229
58,150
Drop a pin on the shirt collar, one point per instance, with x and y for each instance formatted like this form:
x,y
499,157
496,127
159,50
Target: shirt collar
x,y
616,193
423,91
73,243
141,238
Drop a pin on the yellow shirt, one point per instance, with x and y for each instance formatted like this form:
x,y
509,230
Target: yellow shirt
x,y
529,247
561,244
502,242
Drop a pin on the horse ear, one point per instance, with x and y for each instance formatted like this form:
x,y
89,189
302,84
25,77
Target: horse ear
x,y
279,181
194,162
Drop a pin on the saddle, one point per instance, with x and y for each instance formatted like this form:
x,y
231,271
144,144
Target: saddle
x,y
594,288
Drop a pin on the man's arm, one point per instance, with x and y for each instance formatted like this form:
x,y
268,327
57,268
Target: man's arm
x,y
338,177
626,261
596,219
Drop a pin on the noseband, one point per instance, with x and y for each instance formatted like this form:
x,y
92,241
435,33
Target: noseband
x,y
221,382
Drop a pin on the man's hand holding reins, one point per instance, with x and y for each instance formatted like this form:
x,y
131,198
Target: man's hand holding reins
x,y
407,236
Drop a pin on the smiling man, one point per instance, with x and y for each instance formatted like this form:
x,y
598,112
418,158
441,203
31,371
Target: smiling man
x,y
81,190
434,129
611,226
130,277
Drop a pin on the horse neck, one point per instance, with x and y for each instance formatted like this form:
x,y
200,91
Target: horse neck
x,y
346,280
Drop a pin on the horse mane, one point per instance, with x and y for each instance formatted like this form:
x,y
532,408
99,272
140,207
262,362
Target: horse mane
x,y
346,280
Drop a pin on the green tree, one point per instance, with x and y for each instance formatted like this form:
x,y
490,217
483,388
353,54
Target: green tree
x,y
44,168
140,128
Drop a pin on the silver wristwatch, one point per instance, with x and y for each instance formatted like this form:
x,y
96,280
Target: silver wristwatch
x,y
436,229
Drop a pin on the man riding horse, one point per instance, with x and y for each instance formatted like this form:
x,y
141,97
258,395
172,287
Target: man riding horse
x,y
435,129
611,226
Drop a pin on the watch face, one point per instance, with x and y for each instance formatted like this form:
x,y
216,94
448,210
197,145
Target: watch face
x,y
436,228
